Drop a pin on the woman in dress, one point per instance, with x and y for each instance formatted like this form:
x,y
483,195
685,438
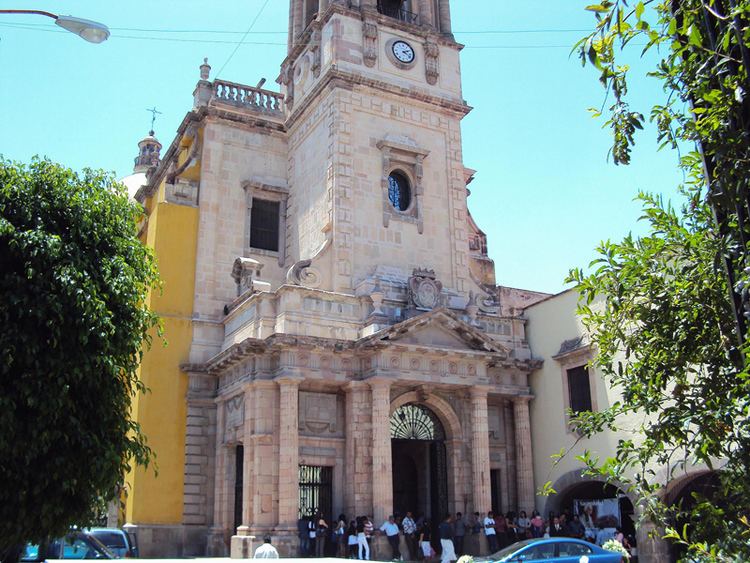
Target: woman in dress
x,y
424,540
536,525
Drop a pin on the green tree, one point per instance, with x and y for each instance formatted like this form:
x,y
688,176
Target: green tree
x,y
74,280
667,311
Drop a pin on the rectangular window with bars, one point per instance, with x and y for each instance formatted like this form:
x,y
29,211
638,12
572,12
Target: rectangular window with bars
x,y
579,389
316,490
264,224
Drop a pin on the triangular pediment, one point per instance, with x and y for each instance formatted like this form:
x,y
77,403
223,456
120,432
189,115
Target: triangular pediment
x,y
439,329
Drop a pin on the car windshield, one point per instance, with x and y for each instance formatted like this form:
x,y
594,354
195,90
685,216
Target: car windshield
x,y
109,538
510,550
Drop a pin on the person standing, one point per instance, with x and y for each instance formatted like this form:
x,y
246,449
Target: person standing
x,y
425,531
390,529
266,550
304,537
489,531
362,544
459,531
340,536
312,534
556,528
410,535
523,523
321,533
369,530
446,540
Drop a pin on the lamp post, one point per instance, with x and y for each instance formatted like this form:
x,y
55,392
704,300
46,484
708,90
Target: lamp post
x,y
93,32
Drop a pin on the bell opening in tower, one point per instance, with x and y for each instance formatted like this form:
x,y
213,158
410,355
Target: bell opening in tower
x,y
397,9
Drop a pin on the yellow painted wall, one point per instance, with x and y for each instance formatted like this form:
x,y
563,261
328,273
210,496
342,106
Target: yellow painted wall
x,y
151,498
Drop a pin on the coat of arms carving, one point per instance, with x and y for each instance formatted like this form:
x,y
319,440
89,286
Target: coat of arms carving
x,y
424,289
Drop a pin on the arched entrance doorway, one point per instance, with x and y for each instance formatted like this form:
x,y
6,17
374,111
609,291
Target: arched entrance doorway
x,y
419,461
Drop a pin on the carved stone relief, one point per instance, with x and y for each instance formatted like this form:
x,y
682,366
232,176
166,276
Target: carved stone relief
x,y
495,422
318,413
234,417
370,39
432,69
424,289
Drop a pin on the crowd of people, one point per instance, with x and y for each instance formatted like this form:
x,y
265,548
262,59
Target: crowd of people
x,y
352,538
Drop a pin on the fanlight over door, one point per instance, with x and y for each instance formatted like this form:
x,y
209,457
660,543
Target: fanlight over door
x,y
415,422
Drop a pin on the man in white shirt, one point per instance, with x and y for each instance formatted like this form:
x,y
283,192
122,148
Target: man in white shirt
x,y
410,535
266,550
489,531
390,528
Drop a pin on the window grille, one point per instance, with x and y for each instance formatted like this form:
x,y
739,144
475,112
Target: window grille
x,y
398,191
579,389
315,490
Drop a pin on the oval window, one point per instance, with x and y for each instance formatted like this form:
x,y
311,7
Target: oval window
x,y
398,191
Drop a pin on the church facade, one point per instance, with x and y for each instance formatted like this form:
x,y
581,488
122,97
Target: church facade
x,y
336,337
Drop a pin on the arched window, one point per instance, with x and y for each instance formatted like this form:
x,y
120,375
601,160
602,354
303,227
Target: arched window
x,y
399,191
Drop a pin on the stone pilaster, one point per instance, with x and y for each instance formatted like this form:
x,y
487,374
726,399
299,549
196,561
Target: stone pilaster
x,y
524,459
357,485
248,445
382,477
480,450
216,544
288,452
265,455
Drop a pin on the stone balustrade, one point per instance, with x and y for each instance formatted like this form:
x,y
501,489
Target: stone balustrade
x,y
250,97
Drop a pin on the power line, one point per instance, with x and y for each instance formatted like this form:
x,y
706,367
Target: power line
x,y
249,32
267,43
239,43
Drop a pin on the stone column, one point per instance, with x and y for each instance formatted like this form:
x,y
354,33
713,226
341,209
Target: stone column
x,y
445,17
524,459
290,34
382,477
322,7
297,19
288,452
425,13
265,455
480,450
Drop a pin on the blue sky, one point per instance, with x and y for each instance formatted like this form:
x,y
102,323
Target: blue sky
x,y
544,192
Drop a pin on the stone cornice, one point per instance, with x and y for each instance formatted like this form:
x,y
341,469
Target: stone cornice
x,y
336,77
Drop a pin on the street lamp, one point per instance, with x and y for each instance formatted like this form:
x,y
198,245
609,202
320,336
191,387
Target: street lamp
x,y
93,32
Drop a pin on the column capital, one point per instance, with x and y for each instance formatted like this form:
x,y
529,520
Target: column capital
x,y
354,385
379,382
522,398
479,391
286,380
263,383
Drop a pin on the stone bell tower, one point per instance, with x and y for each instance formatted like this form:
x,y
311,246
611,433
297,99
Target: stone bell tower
x,y
374,101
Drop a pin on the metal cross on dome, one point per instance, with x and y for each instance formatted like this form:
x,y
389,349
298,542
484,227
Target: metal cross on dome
x,y
153,111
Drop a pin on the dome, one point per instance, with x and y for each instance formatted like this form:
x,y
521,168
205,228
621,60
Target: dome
x,y
133,182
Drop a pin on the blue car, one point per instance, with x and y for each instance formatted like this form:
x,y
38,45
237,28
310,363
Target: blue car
x,y
555,550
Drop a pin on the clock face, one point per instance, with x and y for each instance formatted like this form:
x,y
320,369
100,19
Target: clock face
x,y
403,51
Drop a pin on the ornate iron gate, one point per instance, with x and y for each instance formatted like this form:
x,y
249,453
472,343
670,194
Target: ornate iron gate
x,y
316,490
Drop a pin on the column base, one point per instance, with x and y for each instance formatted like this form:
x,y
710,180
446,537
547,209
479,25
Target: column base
x,y
241,546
